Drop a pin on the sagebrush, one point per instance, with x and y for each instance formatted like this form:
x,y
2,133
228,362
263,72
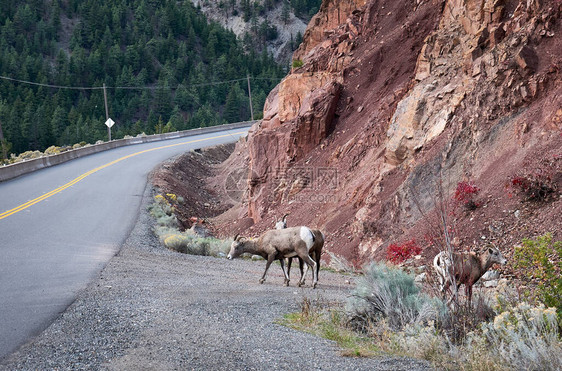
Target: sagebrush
x,y
187,242
389,293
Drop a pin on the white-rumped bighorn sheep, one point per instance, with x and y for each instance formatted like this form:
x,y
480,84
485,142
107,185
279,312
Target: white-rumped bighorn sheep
x,y
278,244
464,268
315,253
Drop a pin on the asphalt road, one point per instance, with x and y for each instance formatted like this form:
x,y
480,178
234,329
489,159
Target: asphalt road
x,y
53,246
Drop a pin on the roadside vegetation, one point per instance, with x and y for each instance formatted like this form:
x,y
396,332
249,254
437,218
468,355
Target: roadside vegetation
x,y
167,229
387,313
516,326
30,155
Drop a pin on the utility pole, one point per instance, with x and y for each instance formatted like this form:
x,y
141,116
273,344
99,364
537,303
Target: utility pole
x,y
106,113
250,95
2,143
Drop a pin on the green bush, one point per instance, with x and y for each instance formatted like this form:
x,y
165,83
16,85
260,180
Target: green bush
x,y
297,63
389,293
541,259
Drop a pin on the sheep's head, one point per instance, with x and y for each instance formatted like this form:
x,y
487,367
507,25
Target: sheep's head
x,y
237,247
280,225
495,256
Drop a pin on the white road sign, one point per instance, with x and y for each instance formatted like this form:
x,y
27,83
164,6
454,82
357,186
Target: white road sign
x,y
109,123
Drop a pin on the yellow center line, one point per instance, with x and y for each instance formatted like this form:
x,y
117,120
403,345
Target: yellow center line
x,y
78,179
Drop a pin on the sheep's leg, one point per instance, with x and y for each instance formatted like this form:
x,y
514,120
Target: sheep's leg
x,y
270,259
303,272
289,262
317,259
312,264
286,282
303,276
441,283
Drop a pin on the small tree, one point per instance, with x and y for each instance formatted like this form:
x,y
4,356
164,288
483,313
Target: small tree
x,y
285,12
541,260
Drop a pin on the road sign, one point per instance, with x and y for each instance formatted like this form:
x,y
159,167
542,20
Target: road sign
x,y
109,123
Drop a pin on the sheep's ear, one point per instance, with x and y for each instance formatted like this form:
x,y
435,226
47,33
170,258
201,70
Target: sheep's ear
x,y
491,250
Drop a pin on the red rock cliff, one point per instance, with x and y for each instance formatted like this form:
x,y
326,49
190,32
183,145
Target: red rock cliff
x,y
396,96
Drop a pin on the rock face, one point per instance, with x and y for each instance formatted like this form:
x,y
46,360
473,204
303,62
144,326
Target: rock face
x,y
298,115
231,17
332,14
397,102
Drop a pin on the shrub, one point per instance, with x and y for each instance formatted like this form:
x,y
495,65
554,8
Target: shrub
x,y
465,193
389,293
163,212
297,63
27,155
462,319
536,186
399,253
79,145
167,230
523,338
541,259
187,244
53,150
420,341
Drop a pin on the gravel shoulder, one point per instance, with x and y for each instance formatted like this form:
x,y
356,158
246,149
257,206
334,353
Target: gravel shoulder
x,y
151,308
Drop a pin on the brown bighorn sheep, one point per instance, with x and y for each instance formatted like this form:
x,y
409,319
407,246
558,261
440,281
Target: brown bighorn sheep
x,y
315,253
278,244
467,268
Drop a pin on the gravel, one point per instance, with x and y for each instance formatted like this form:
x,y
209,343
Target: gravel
x,y
151,308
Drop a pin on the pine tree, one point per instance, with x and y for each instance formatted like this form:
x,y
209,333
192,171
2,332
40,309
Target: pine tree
x,y
285,12
232,106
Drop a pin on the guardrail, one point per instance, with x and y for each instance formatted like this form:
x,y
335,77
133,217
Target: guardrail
x,y
20,168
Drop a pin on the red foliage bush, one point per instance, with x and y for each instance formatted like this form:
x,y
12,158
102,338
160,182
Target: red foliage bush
x,y
399,253
542,183
465,193
534,187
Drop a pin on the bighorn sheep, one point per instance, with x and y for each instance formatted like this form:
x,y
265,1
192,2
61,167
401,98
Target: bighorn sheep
x,y
278,244
315,253
467,268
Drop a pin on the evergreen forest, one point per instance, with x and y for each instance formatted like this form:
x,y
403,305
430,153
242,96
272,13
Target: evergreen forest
x,y
164,65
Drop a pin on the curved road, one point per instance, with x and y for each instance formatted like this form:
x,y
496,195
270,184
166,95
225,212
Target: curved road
x,y
59,227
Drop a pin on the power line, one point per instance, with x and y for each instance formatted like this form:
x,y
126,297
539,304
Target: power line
x,y
52,86
136,87
174,87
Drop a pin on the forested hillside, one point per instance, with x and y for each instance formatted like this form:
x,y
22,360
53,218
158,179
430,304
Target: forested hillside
x,y
165,67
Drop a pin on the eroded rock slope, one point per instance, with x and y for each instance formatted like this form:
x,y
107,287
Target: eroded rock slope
x,y
393,99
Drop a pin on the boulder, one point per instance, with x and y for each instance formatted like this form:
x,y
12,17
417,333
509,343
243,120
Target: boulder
x,y
527,59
